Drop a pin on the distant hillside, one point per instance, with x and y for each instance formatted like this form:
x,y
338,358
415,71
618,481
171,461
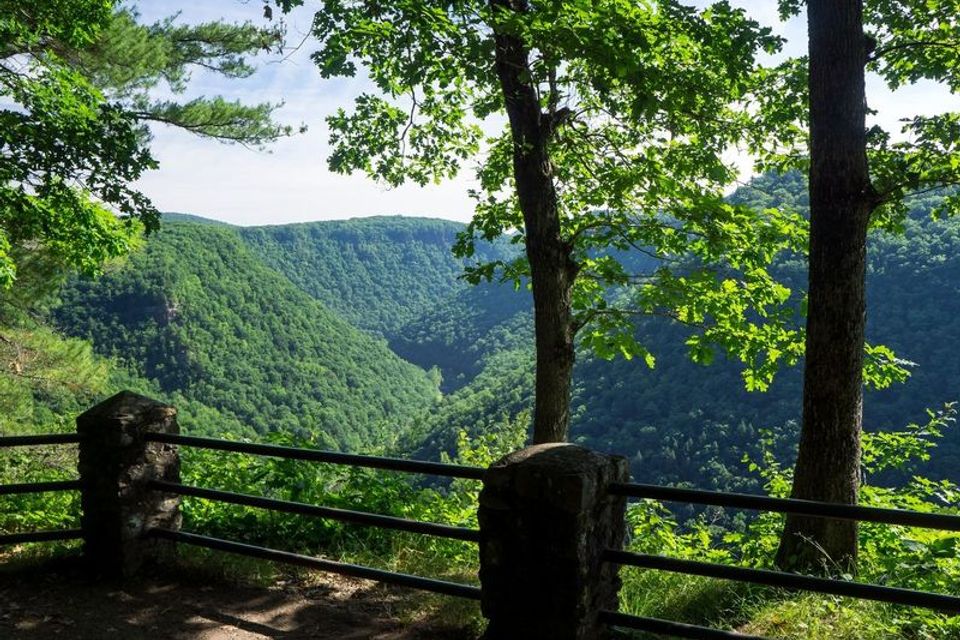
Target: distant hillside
x,y
461,332
201,316
170,216
682,422
257,323
378,273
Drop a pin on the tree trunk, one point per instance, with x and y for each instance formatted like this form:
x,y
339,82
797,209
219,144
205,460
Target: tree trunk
x,y
552,270
841,201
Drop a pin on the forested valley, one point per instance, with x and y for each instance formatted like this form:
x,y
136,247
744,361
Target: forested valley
x,y
708,244
359,335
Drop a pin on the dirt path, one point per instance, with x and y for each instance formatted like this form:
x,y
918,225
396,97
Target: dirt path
x,y
60,603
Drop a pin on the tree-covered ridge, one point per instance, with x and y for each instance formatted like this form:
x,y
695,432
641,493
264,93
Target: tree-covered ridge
x,y
679,422
462,332
685,423
378,273
201,316
171,216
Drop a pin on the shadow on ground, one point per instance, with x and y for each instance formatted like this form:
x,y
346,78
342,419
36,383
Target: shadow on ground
x,y
57,601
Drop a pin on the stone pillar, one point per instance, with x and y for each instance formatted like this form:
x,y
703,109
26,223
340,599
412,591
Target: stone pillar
x,y
545,519
115,464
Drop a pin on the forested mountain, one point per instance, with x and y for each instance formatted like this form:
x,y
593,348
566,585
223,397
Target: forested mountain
x,y
229,318
378,273
396,277
197,313
463,331
681,422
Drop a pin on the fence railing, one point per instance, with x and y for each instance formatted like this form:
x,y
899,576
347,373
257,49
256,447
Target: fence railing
x,y
341,515
550,539
56,535
316,455
779,579
149,462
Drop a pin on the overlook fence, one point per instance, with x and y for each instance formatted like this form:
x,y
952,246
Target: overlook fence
x,y
550,538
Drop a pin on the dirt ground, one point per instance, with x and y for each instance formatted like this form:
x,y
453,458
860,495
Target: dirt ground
x,y
58,602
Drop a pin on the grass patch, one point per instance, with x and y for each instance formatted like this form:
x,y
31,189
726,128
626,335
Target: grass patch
x,y
774,613
817,617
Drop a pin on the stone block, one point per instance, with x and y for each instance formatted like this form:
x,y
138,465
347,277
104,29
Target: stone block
x,y
116,463
546,518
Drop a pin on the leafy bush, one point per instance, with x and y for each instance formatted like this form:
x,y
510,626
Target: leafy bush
x,y
38,511
388,493
898,556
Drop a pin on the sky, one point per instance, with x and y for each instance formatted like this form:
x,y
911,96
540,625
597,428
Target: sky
x,y
290,181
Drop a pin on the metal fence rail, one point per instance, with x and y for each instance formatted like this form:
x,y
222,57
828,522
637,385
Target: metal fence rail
x,y
669,628
942,522
40,536
357,571
22,488
31,441
317,455
894,595
292,453
330,513
343,515
39,487
792,581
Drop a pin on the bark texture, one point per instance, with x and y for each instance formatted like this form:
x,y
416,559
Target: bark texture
x,y
552,269
841,201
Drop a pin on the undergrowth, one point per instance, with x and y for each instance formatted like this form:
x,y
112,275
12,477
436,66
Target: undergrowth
x,y
889,555
896,556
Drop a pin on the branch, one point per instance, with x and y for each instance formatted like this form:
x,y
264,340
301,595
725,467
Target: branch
x,y
413,112
554,99
913,44
199,128
886,196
